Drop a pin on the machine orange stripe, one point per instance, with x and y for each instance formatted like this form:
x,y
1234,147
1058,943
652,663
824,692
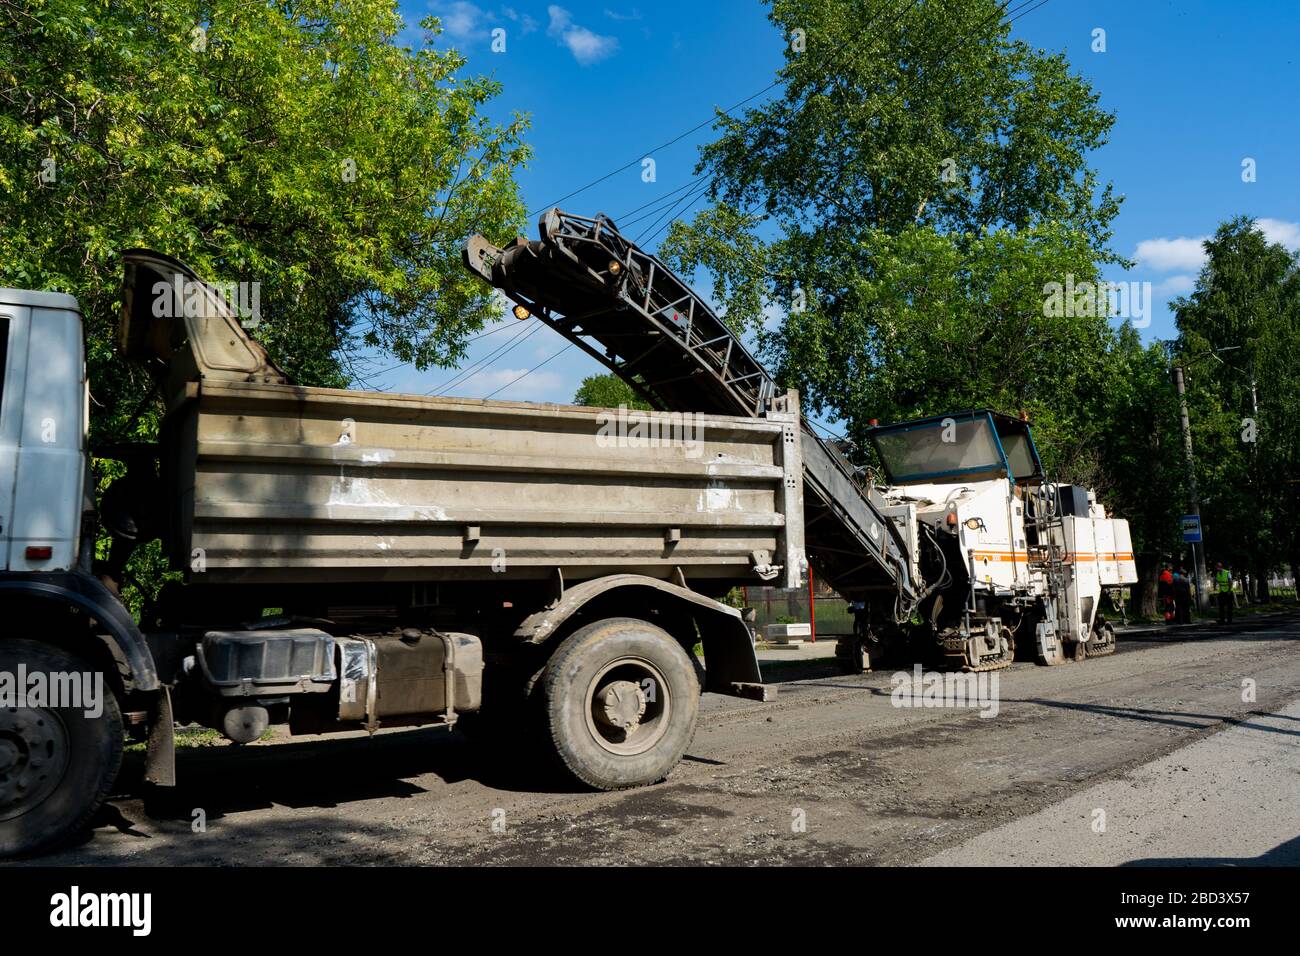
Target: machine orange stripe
x,y
1073,556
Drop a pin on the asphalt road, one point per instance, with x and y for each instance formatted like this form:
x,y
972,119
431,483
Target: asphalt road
x,y
1163,737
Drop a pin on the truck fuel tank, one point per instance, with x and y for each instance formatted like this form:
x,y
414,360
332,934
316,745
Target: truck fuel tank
x,y
413,674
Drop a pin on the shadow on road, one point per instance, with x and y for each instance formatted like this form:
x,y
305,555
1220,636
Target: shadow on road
x,y
228,783
314,840
1284,854
1174,718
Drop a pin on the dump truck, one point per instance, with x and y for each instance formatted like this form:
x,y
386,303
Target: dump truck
x,y
349,560
962,552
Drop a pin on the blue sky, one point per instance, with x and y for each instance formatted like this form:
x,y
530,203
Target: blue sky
x,y
1198,89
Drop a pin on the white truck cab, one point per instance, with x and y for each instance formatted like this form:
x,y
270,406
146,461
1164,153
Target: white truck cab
x,y
44,412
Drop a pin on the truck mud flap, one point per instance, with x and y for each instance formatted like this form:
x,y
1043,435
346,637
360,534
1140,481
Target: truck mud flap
x,y
160,750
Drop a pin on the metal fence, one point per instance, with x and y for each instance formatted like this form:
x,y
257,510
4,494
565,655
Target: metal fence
x,y
782,605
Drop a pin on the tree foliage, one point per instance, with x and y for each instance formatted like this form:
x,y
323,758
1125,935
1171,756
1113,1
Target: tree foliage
x,y
608,391
292,144
1138,444
1239,335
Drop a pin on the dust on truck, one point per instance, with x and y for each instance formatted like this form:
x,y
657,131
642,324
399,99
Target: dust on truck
x,y
354,560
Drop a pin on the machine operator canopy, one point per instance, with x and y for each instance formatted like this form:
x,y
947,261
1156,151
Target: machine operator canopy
x,y
962,446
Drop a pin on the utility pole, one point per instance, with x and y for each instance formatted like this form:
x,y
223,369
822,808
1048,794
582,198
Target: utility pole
x,y
1193,495
1261,587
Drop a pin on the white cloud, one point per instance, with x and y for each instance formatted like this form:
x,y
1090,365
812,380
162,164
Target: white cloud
x,y
560,20
461,20
587,47
1165,255
616,15
1188,254
773,316
1174,285
526,23
1278,230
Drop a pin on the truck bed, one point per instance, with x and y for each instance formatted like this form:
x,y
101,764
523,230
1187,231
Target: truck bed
x,y
281,483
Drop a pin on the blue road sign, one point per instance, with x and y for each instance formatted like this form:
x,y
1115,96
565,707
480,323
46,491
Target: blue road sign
x,y
1191,529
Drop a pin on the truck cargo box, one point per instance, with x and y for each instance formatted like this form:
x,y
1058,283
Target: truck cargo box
x,y
290,484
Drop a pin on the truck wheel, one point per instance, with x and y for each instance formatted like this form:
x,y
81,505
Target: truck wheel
x,y
56,764
622,702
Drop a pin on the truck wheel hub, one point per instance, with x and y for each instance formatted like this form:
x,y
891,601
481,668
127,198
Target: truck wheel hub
x,y
33,758
623,704
629,706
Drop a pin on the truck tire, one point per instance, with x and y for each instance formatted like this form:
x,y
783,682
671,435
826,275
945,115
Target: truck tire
x,y
57,765
622,703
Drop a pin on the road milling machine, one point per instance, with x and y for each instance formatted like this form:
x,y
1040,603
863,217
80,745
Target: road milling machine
x,y
1019,561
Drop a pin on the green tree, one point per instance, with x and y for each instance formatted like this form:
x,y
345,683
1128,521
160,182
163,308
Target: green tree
x,y
901,209
292,144
608,391
1239,334
1144,474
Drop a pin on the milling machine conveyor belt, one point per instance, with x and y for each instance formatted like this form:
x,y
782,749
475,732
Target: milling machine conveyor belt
x,y
627,310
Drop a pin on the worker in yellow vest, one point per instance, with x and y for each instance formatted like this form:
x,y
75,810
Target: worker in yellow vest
x,y
1223,589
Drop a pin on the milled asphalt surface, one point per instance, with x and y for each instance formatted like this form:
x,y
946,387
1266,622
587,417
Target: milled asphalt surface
x,y
829,773
1224,800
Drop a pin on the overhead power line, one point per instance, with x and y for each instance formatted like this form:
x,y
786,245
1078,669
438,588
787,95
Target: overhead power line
x,y
530,371
853,36
523,334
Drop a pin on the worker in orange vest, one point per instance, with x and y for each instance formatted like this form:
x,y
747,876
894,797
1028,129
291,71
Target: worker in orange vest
x,y
1167,593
